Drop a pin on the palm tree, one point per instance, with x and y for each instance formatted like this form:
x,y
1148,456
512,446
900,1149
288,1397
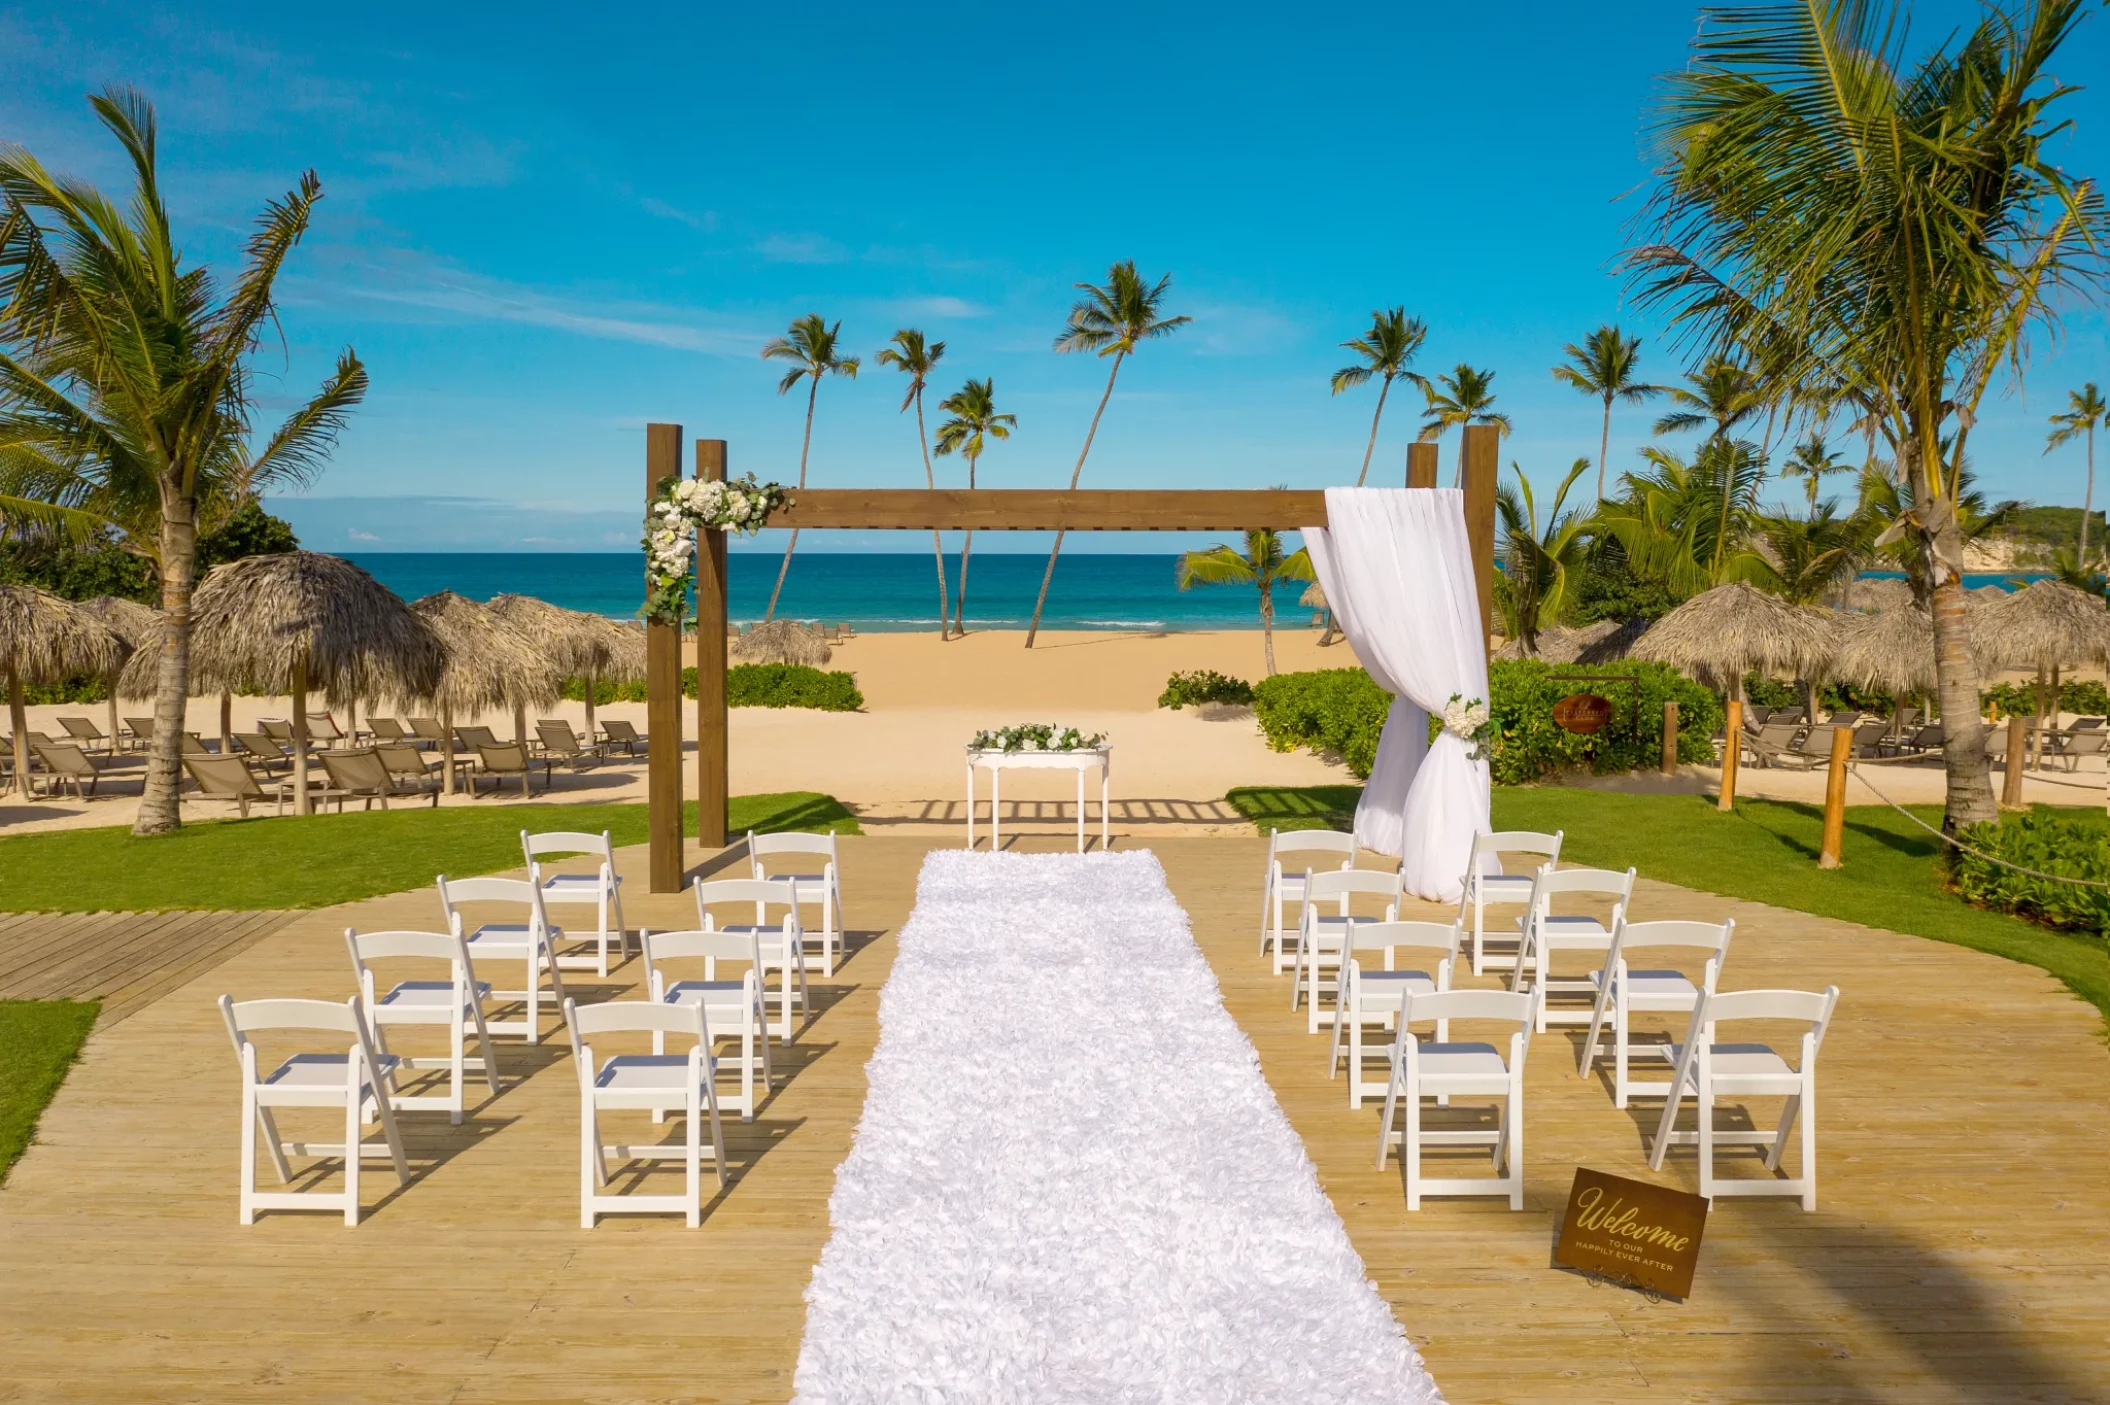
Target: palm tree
x,y
810,346
1109,321
1543,568
2084,415
1261,564
913,357
1691,527
1603,366
1894,222
1721,394
1813,461
125,385
1467,398
1888,504
1817,554
1386,350
973,411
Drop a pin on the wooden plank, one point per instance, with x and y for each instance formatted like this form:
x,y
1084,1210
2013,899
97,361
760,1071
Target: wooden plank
x,y
713,730
1483,465
663,696
1050,509
1421,465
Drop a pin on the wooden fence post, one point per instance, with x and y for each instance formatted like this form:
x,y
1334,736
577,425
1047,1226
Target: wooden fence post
x,y
713,749
1483,465
2017,762
663,696
1670,738
1421,465
1732,754
1835,799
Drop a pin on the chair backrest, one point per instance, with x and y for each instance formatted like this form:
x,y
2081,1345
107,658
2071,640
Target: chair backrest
x,y
194,745
619,730
568,841
2086,743
524,891
763,893
502,758
1933,734
323,727
1810,1007
401,758
1607,882
1777,734
224,777
1756,714
1311,841
397,946
142,727
1996,741
709,947
1329,883
1383,936
81,727
557,735
1514,841
358,772
1710,937
1845,717
386,729
63,758
1869,728
1817,741
1507,1006
246,1017
761,846
257,744
476,736
427,728
275,728
2086,724
633,1017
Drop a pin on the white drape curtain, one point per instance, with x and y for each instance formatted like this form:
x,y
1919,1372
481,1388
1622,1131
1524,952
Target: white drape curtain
x,y
1397,568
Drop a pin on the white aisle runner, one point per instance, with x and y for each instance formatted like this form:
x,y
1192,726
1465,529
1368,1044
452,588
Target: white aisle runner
x,y
1071,1182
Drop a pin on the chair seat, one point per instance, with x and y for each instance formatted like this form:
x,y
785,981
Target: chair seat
x,y
574,887
813,878
644,1073
424,997
508,936
1462,1068
1747,1068
1399,978
1504,887
1655,990
1571,930
320,1071
710,994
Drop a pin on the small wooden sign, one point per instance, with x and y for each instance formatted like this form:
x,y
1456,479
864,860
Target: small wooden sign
x,y
1582,713
1632,1232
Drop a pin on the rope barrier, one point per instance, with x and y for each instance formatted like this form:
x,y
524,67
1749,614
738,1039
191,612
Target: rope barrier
x,y
1973,849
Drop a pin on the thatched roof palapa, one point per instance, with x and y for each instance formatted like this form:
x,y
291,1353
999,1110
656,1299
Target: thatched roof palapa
x,y
782,641
2044,626
576,643
488,663
1314,597
44,639
267,622
1894,649
1601,641
1724,633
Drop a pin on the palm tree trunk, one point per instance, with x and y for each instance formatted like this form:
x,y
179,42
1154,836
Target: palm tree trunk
x,y
959,621
160,799
1371,448
301,803
446,749
1267,623
2087,502
1604,446
593,677
813,391
937,538
1969,772
18,718
1076,473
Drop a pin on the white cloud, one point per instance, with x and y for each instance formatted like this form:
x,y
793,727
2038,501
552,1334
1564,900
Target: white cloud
x,y
354,534
1237,329
707,222
801,248
936,305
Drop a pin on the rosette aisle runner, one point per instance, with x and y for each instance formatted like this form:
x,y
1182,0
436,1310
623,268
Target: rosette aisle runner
x,y
1071,1182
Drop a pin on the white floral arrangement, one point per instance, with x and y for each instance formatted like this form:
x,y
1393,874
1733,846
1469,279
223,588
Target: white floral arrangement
x,y
1036,736
684,507
1471,723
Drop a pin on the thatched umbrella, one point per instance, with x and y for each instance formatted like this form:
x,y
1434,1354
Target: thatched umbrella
x,y
300,620
488,665
42,640
1314,597
782,641
139,626
576,644
1733,629
1894,649
1881,593
1562,645
2045,627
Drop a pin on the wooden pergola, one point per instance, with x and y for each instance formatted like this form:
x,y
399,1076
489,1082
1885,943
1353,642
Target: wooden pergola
x,y
947,509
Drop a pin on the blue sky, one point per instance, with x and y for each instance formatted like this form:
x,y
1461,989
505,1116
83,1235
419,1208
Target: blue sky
x,y
544,227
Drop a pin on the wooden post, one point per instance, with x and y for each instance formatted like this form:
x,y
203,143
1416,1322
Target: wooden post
x,y
713,755
1732,754
2017,761
1670,738
301,805
1421,465
1482,464
1835,798
663,695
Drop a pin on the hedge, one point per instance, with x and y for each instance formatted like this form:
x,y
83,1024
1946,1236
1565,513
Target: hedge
x,y
747,685
2084,697
2067,845
1204,685
1341,712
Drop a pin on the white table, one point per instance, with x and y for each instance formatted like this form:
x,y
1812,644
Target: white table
x,y
997,762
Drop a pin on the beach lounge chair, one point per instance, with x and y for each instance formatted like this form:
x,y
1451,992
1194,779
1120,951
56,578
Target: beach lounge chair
x,y
427,731
1871,735
560,744
470,738
323,730
276,728
141,731
86,734
2080,744
361,775
1776,744
503,759
194,745
1932,737
66,764
387,729
260,750
615,732
229,778
406,763
1756,715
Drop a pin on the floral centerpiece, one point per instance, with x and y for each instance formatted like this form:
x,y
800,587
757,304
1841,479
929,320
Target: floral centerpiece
x,y
1470,722
1037,736
684,507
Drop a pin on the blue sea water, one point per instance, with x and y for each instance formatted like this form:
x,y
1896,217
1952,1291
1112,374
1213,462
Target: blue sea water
x,y
873,591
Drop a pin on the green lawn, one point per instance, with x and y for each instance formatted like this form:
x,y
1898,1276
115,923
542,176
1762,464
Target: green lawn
x,y
39,1040
1763,851
274,863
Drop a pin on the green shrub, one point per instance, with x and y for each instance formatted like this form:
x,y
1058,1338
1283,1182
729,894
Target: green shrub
x,y
789,685
80,689
2088,698
574,689
2068,845
1342,712
1831,697
1204,686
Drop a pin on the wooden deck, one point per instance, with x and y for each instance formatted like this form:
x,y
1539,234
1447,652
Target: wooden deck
x,y
127,960
1961,1251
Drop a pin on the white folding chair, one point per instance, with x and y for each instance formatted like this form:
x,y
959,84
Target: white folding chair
x,y
1322,936
1444,1070
824,888
1279,887
644,1083
732,1008
1375,996
1623,992
350,1081
531,942
1487,885
1710,1071
782,945
457,1004
601,890
1543,933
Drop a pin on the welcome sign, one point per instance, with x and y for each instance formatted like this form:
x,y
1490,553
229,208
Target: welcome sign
x,y
1632,1232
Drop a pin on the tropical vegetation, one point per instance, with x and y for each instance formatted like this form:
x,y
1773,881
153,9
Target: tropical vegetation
x,y
973,422
1387,352
913,356
813,347
1261,564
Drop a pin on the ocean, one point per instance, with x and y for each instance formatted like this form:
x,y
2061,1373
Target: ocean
x,y
876,592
